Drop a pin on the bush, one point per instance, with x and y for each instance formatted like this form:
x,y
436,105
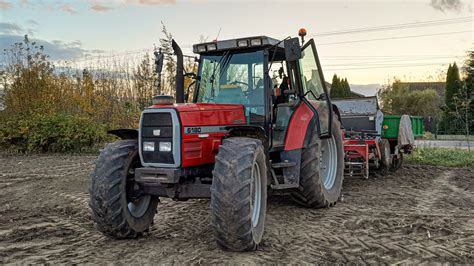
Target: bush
x,y
442,156
51,133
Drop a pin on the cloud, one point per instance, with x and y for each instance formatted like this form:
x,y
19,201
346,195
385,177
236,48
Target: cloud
x,y
10,28
5,5
32,22
447,5
100,8
149,2
67,8
156,2
57,50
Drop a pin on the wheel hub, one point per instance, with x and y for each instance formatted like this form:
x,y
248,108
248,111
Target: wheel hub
x,y
139,206
328,162
256,195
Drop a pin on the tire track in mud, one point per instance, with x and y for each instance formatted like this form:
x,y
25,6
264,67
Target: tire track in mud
x,y
46,218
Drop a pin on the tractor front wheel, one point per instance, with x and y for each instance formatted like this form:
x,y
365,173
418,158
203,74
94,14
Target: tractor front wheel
x,y
239,194
116,210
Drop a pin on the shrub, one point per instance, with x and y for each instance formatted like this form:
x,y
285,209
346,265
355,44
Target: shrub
x,y
442,156
51,133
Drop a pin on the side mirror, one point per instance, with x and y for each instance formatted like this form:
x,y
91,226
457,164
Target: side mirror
x,y
159,58
292,49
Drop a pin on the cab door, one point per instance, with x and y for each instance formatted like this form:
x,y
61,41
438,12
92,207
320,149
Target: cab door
x,y
314,88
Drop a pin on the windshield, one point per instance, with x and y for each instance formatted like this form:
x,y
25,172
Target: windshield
x,y
233,78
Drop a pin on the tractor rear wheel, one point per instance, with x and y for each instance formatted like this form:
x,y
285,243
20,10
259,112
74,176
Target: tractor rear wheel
x,y
322,170
239,194
116,211
386,160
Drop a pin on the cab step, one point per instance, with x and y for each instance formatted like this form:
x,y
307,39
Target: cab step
x,y
283,164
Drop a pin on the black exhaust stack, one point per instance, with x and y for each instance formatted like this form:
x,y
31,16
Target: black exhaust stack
x,y
179,72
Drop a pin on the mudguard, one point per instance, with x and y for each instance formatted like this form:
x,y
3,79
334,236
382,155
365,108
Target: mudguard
x,y
124,133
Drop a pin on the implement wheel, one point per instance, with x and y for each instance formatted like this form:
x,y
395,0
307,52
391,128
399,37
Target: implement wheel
x,y
239,194
386,160
397,162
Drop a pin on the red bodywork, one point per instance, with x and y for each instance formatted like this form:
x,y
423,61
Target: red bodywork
x,y
297,128
201,148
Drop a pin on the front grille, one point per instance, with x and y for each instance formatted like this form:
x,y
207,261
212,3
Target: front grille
x,y
158,127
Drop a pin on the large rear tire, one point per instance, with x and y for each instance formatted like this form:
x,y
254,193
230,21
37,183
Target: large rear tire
x,y
322,170
115,210
239,194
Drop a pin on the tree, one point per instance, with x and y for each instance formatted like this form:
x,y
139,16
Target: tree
x,y
144,82
397,99
346,88
453,85
168,86
337,91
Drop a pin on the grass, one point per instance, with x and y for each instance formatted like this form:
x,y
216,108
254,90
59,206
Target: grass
x,y
442,156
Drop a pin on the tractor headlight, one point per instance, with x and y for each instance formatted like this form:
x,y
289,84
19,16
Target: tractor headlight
x,y
242,43
212,47
256,42
201,48
165,146
149,146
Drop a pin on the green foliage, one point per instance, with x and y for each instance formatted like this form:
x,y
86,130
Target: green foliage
x,y
340,88
51,133
453,85
458,115
70,111
397,99
442,156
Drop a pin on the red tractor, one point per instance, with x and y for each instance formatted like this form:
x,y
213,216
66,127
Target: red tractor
x,y
260,118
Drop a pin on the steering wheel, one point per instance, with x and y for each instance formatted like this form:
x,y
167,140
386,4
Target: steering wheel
x,y
246,93
239,82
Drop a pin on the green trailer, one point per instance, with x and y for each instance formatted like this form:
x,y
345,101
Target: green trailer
x,y
391,125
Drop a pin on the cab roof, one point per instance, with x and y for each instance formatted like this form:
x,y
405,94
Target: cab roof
x,y
239,43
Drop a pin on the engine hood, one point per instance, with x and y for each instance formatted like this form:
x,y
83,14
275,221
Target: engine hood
x,y
207,114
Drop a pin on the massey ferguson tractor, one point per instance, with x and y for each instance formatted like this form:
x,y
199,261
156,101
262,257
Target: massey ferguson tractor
x,y
260,118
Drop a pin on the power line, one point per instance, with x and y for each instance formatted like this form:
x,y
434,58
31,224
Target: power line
x,y
395,38
387,66
384,62
430,23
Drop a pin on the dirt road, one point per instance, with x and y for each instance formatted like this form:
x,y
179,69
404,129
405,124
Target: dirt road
x,y
420,214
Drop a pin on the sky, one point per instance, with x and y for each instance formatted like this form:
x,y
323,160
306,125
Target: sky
x,y
368,42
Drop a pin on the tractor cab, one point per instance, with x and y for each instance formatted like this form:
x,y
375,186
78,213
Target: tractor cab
x,y
268,77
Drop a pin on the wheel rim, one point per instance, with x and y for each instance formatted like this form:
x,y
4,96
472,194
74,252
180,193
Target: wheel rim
x,y
137,206
256,195
328,162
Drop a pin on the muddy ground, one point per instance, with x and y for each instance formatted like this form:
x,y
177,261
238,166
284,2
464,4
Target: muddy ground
x,y
419,214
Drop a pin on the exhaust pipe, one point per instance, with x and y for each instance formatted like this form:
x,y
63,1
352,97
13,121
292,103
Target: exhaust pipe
x,y
179,72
